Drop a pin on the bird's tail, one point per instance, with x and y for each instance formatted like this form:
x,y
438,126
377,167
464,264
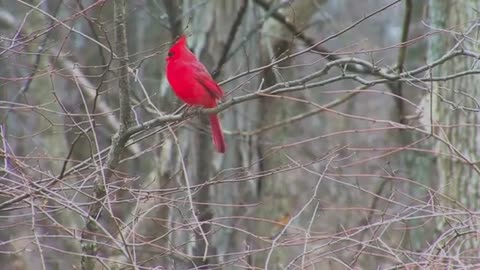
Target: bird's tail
x,y
217,133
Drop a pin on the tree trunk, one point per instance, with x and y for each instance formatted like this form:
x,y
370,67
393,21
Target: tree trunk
x,y
458,179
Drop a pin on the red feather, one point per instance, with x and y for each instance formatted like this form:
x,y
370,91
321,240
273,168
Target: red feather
x,y
192,83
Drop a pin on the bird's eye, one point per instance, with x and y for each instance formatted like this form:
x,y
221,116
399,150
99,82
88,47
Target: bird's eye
x,y
170,54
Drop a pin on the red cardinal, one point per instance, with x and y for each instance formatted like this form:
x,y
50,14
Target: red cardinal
x,y
192,83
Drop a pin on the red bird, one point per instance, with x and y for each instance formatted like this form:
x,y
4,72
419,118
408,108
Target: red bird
x,y
192,83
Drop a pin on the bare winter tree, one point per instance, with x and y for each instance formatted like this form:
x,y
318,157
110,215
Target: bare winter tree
x,y
351,131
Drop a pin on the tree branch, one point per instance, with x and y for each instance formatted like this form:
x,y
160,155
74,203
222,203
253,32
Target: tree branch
x,y
302,84
308,41
231,37
88,237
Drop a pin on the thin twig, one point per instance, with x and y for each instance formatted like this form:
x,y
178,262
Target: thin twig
x,y
36,63
231,37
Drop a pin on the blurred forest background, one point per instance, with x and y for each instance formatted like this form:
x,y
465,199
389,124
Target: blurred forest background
x,y
351,128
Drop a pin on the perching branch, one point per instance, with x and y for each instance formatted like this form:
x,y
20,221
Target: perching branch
x,y
303,84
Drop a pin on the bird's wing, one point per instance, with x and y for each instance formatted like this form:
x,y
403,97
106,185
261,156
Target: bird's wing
x,y
203,77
